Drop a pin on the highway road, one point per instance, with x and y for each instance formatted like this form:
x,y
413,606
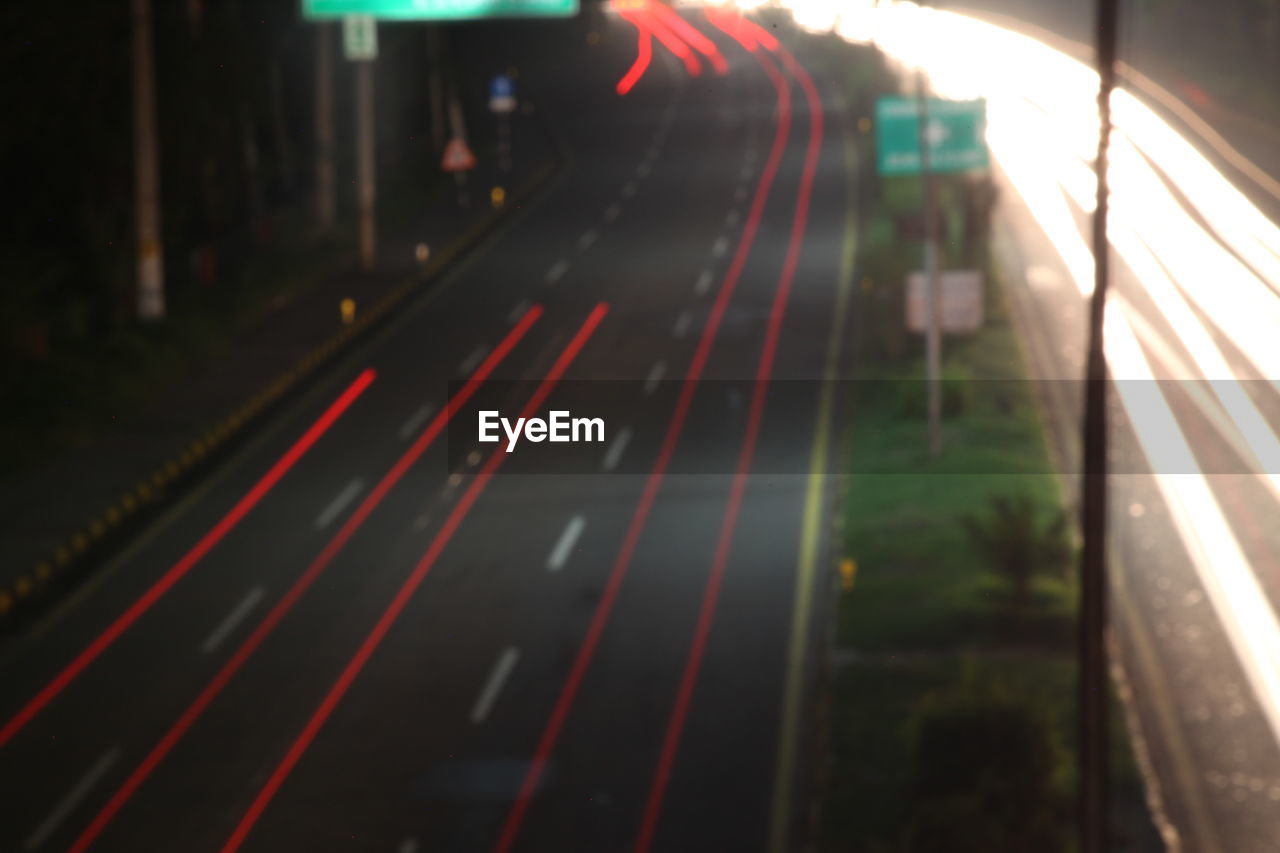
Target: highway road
x,y
369,632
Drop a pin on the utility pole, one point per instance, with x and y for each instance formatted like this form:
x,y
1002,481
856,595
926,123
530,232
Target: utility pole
x,y
366,189
932,288
435,88
458,130
146,165
1093,683
360,46
504,142
326,208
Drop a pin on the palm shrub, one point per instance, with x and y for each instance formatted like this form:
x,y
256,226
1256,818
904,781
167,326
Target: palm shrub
x,y
1018,543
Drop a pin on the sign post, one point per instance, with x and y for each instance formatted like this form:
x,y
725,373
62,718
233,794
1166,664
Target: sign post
x,y
326,209
360,45
146,158
927,135
457,155
435,88
924,136
502,102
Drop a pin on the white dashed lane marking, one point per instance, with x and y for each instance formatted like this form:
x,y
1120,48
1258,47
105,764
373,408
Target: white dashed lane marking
x,y
619,446
557,271
472,361
564,545
656,373
518,311
703,284
682,324
339,503
78,792
416,421
497,677
234,618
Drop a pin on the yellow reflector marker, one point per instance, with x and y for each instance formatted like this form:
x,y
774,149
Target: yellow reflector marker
x,y
848,572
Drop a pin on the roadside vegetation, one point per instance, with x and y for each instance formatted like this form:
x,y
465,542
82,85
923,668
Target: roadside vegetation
x,y
951,723
234,107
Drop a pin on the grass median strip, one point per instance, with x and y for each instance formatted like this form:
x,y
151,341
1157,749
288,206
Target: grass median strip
x,y
952,696
952,691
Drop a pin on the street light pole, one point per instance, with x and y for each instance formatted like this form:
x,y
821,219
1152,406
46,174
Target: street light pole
x,y
146,165
366,186
933,297
435,88
326,210
1093,680
458,130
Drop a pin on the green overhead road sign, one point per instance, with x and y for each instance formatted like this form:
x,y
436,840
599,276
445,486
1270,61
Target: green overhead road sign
x,y
954,130
439,10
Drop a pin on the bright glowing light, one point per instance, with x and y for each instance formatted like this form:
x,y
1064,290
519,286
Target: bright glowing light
x,y
1228,578
857,21
1233,218
815,16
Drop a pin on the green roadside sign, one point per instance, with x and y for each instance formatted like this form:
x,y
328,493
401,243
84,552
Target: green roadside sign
x,y
360,37
439,10
954,129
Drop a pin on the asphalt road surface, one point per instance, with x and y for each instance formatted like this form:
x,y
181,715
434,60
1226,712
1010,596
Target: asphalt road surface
x,y
408,644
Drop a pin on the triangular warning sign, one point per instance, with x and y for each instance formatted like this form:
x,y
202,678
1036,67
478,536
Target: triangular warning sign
x,y
457,156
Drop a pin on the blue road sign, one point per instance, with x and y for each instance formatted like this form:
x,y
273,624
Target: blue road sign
x,y
502,94
501,86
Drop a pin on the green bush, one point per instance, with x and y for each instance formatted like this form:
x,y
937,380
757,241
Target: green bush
x,y
1017,544
988,773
